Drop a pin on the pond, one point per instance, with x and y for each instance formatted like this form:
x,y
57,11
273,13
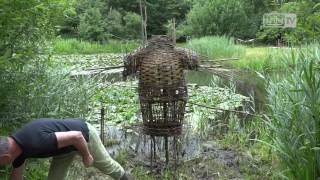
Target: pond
x,y
246,83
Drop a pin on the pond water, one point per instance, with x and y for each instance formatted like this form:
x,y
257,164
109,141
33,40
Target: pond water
x,y
244,82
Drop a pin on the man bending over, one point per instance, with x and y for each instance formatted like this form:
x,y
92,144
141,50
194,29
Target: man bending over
x,y
60,139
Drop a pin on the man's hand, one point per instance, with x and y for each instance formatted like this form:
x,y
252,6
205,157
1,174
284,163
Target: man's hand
x,y
17,173
87,161
76,139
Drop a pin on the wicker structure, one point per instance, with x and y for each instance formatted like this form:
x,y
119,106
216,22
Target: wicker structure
x,y
162,87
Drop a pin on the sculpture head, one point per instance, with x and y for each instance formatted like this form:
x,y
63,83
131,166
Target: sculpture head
x,y
160,41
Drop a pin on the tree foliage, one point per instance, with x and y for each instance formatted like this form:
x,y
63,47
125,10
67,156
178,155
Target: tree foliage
x,y
216,17
308,23
238,18
25,26
120,19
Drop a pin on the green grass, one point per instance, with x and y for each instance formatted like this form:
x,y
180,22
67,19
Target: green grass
x,y
75,46
216,47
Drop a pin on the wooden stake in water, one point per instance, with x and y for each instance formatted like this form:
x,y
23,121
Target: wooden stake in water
x,y
102,125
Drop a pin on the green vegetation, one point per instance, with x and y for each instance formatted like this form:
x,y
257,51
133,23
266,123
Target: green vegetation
x,y
74,46
294,124
308,23
98,20
47,47
216,47
224,17
264,59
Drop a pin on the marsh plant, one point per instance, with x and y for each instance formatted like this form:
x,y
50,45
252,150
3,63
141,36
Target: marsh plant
x,y
76,46
295,122
216,47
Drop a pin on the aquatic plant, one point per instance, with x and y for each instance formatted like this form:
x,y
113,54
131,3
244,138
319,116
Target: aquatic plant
x,y
216,47
75,46
295,123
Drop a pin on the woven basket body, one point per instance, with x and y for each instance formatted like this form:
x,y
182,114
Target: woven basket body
x,y
162,92
162,87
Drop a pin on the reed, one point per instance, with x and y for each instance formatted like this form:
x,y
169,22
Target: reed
x,y
75,46
216,47
295,123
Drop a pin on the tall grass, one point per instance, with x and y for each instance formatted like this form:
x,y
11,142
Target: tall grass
x,y
265,59
75,46
216,47
295,123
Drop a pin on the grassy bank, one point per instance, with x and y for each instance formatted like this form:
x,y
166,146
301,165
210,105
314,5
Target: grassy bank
x,y
75,46
263,59
250,58
216,47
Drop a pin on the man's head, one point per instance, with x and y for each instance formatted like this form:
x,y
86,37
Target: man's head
x,y
5,157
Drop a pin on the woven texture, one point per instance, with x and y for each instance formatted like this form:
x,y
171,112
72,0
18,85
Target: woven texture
x,y
162,87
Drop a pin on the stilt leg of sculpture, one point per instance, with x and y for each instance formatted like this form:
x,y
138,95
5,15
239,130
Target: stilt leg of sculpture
x,y
151,152
154,147
167,150
175,151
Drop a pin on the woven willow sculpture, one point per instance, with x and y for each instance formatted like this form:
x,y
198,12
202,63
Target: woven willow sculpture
x,y
162,86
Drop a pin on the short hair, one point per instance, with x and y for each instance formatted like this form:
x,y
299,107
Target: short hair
x,y
4,145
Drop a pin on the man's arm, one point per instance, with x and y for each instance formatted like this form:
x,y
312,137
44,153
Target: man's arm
x,y
76,139
17,173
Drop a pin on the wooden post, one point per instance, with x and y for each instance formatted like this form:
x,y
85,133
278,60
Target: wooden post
x,y
102,125
145,21
174,37
142,23
151,152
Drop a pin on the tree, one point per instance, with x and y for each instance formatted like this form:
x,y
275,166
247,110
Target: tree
x,y
114,26
158,11
217,17
161,11
308,23
24,28
132,25
92,25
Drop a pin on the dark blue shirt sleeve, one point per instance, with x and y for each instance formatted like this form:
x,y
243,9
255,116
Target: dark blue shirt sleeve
x,y
18,161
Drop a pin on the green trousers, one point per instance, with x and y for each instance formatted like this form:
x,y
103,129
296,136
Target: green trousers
x,y
60,164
